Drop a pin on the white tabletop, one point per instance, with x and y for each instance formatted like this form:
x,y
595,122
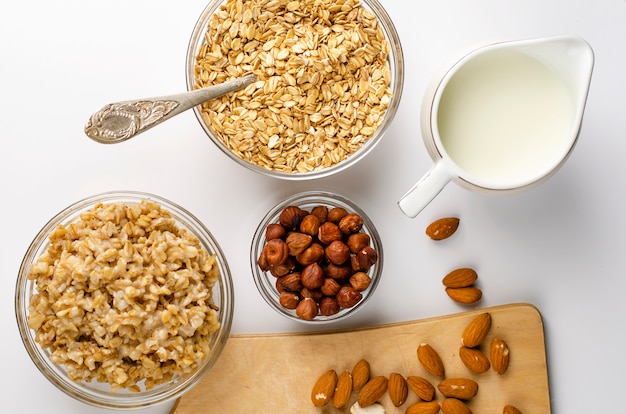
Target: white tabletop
x,y
559,246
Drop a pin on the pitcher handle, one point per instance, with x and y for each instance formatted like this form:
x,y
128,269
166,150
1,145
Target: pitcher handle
x,y
425,190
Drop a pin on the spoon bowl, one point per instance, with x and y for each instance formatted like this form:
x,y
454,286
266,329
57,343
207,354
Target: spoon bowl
x,y
120,121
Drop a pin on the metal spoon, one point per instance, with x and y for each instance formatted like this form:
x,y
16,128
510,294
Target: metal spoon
x,y
117,122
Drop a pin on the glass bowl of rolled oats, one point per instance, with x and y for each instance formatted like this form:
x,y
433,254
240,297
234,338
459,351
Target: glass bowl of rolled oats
x,y
329,82
124,300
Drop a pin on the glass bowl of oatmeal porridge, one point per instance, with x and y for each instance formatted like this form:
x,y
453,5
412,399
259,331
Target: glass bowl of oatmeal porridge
x,y
124,300
329,82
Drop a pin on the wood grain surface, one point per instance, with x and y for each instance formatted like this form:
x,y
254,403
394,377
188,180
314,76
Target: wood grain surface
x,y
275,373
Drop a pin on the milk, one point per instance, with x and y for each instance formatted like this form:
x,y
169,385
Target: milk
x,y
505,117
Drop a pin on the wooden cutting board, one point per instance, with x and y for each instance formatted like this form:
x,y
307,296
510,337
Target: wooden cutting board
x,y
275,373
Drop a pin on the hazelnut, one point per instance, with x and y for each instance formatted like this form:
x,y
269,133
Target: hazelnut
x,y
291,217
311,254
262,262
291,282
275,252
357,241
283,268
330,287
329,306
360,281
337,252
274,231
289,300
366,257
278,286
307,309
312,276
321,212
350,223
314,294
348,296
335,214
329,232
297,242
310,225
338,272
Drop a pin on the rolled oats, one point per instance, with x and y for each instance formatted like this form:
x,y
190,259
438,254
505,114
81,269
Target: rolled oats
x,y
324,80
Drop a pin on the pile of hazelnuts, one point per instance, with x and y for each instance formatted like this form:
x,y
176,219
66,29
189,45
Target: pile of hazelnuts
x,y
320,259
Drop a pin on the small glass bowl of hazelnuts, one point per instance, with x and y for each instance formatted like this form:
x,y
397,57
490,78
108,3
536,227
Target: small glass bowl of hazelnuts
x,y
316,257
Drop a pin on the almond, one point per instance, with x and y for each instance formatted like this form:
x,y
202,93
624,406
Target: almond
x,y
454,406
465,295
360,374
343,390
397,388
509,409
460,388
422,387
371,392
459,278
474,359
324,388
476,330
423,407
442,228
499,352
430,360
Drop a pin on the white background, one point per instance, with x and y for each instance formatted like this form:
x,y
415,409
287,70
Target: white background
x,y
559,246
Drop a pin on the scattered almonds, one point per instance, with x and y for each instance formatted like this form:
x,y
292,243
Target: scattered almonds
x,y
324,388
460,278
454,406
423,407
430,359
466,295
509,409
422,387
398,389
456,391
476,330
442,228
343,389
461,388
474,359
460,287
360,374
499,351
373,391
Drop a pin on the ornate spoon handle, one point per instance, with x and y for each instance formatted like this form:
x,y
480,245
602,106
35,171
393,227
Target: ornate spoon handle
x,y
117,122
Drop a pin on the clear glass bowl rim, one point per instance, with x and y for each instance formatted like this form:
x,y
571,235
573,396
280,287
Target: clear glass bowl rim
x,y
265,282
91,393
396,62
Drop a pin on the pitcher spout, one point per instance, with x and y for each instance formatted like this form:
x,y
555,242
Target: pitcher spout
x,y
571,57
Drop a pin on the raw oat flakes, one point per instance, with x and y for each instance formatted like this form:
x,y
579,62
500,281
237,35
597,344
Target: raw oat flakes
x,y
323,80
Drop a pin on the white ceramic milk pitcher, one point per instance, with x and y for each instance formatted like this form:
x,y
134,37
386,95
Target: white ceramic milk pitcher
x,y
504,118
